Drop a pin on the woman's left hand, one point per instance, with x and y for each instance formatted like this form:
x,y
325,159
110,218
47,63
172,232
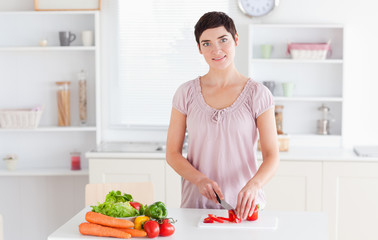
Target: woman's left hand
x,y
247,200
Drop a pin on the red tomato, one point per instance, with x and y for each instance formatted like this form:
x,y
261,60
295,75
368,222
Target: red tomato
x,y
208,220
135,205
254,215
152,228
166,228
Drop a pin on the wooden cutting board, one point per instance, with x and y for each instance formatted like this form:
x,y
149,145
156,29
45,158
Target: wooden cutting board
x,y
263,223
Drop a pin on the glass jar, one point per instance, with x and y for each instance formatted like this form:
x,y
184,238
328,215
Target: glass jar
x,y
75,160
63,99
278,114
82,78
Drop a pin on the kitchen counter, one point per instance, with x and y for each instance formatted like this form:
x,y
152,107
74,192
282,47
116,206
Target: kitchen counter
x,y
298,153
291,226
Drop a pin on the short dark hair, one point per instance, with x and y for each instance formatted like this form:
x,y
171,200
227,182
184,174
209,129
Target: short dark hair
x,y
214,20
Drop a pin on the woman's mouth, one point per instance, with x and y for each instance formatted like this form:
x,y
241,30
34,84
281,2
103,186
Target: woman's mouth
x,y
220,58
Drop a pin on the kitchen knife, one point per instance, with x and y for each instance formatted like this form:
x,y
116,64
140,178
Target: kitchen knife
x,y
224,204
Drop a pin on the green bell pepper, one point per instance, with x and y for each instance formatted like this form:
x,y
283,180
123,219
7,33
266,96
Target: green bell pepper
x,y
156,210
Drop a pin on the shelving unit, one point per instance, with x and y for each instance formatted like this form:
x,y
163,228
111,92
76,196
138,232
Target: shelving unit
x,y
43,177
316,82
291,61
28,77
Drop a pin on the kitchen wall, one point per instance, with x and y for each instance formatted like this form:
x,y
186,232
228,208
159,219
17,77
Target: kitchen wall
x,y
361,49
360,76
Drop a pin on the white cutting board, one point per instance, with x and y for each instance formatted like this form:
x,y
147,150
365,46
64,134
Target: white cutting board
x,y
262,223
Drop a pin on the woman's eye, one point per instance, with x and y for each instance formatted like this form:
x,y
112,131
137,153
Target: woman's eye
x,y
224,40
206,44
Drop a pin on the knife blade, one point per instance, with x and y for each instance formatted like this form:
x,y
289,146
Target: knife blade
x,y
223,203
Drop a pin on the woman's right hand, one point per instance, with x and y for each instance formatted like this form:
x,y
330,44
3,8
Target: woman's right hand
x,y
207,187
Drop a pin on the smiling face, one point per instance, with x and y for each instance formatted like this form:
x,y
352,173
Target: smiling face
x,y
218,47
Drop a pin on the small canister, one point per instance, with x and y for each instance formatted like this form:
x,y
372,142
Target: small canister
x,y
63,99
82,79
75,160
278,114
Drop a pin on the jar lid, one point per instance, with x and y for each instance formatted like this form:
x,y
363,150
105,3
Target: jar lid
x,y
62,83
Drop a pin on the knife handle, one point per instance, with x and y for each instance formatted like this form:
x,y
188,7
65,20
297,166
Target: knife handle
x,y
217,196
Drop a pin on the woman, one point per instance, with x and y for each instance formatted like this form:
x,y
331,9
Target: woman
x,y
223,112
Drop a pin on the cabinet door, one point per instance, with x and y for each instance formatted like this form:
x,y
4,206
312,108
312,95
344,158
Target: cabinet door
x,y
350,198
173,187
129,170
295,187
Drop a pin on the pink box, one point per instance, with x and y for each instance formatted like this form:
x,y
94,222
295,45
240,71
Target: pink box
x,y
309,50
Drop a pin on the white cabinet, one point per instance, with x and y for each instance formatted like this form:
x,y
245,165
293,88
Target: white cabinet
x,y
350,196
297,186
167,183
316,82
346,191
33,207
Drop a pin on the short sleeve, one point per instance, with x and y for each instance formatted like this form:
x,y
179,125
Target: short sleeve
x,y
262,100
182,98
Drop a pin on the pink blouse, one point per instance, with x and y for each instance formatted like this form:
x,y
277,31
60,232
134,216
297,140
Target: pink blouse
x,y
222,143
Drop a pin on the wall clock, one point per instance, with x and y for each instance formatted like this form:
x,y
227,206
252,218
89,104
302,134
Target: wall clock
x,y
257,8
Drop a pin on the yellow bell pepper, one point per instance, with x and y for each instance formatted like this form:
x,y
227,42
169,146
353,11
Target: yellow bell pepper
x,y
139,221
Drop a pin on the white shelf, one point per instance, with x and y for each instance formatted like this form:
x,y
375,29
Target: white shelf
x,y
323,26
51,129
48,12
44,172
315,140
308,99
289,60
55,48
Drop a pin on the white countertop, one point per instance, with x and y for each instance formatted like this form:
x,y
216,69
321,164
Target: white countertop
x,y
291,226
294,154
43,172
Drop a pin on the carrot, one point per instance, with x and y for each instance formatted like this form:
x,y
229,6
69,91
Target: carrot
x,y
102,219
101,231
133,232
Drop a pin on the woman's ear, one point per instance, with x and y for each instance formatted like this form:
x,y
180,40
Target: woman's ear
x,y
236,39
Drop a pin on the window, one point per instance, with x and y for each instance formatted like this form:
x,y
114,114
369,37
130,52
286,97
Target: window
x,y
157,52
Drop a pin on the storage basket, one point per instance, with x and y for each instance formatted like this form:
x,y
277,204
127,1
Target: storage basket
x,y
316,51
20,118
283,143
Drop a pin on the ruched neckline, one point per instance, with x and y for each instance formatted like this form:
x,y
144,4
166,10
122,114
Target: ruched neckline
x,y
218,114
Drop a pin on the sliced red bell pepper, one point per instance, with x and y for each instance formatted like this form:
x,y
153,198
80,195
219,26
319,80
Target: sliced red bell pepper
x,y
226,219
215,218
232,216
208,220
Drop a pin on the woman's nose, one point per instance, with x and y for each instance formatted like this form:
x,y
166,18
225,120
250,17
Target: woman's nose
x,y
216,48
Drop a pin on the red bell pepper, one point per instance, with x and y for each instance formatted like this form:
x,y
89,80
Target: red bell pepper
x,y
254,215
226,219
215,218
135,205
208,220
232,216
